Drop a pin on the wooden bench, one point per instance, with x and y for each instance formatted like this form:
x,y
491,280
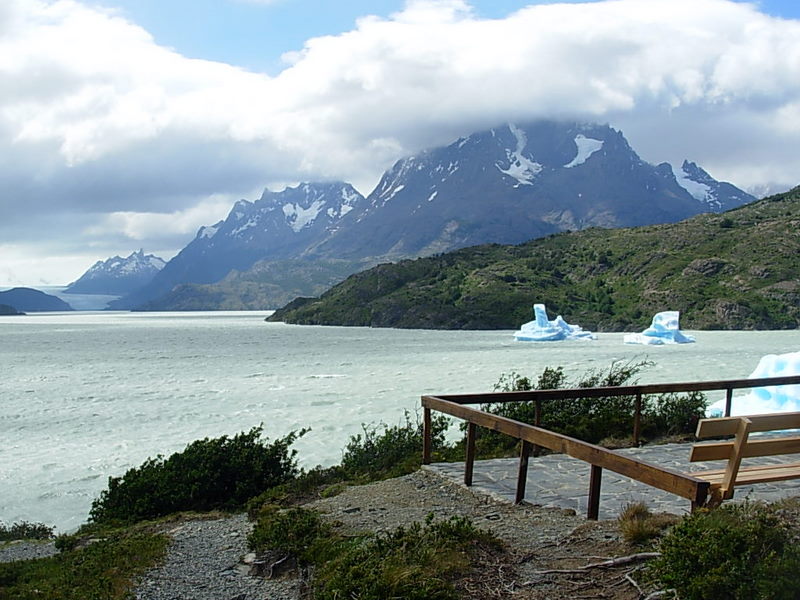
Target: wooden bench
x,y
723,481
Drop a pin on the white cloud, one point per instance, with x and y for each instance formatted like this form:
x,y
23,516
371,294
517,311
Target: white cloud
x,y
96,118
164,226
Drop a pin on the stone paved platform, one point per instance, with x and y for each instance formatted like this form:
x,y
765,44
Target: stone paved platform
x,y
561,481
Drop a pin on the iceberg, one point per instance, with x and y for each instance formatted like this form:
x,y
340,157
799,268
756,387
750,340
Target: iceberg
x,y
663,330
769,399
543,330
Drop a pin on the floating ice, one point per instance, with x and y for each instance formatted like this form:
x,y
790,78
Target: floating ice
x,y
769,399
663,330
542,330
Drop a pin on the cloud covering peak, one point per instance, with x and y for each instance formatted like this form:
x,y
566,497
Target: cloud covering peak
x,y
99,124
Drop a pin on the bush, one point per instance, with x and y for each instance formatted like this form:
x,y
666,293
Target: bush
x,y
221,473
306,486
395,451
102,570
735,552
298,532
414,563
639,526
593,419
25,531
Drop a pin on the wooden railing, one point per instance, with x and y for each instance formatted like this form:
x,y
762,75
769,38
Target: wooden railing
x,y
599,458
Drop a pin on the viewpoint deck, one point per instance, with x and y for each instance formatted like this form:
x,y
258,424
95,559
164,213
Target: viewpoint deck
x,y
561,481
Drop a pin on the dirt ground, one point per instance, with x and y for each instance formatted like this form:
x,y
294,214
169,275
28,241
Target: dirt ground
x,y
548,552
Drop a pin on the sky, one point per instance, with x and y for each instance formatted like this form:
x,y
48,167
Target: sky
x,y
128,124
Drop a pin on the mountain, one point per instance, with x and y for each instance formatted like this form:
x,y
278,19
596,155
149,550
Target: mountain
x,y
737,270
117,276
6,310
505,185
267,284
30,300
514,183
280,225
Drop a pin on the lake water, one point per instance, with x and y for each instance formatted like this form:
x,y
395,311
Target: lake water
x,y
87,395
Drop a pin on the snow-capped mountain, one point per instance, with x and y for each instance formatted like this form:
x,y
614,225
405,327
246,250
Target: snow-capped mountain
x,y
717,195
117,276
516,182
505,185
279,225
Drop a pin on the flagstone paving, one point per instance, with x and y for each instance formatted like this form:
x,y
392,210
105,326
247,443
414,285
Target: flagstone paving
x,y
561,481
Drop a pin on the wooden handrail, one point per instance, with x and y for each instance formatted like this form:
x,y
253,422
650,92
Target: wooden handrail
x,y
636,391
533,436
622,390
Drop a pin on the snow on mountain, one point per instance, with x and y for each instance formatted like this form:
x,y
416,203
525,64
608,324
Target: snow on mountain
x,y
510,184
716,195
117,276
521,167
279,225
586,147
504,185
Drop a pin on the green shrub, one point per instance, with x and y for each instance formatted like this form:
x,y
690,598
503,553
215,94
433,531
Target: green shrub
x,y
414,563
221,473
639,526
735,552
103,570
672,414
298,532
306,486
394,451
592,419
25,531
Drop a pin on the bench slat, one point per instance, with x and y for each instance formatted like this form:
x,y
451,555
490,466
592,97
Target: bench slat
x,y
728,425
760,474
753,448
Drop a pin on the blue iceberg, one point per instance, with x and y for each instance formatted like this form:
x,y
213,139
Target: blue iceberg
x,y
543,330
663,330
769,399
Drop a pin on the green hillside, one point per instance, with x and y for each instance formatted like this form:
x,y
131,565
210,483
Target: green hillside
x,y
266,285
736,270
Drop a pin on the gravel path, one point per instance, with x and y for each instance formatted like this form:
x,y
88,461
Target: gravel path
x,y
25,550
205,562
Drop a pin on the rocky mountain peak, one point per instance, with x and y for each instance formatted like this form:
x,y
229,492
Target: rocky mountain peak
x,y
116,275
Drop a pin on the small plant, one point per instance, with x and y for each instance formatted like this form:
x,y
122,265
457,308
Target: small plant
x,y
221,473
25,531
639,526
103,570
419,562
394,451
592,419
298,532
735,552
307,485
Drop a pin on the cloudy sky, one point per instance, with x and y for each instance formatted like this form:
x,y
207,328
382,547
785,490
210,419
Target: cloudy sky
x,y
128,124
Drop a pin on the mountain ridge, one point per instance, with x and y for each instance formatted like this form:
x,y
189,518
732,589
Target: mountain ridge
x,y
25,299
504,185
116,276
735,270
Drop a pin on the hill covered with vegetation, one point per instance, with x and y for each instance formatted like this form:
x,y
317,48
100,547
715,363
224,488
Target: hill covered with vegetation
x,y
735,270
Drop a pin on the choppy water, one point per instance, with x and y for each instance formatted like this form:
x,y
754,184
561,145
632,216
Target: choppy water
x,y
87,395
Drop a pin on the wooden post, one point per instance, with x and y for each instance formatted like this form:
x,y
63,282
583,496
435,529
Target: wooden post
x,y
637,419
593,508
469,463
728,401
537,420
522,474
701,497
426,436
